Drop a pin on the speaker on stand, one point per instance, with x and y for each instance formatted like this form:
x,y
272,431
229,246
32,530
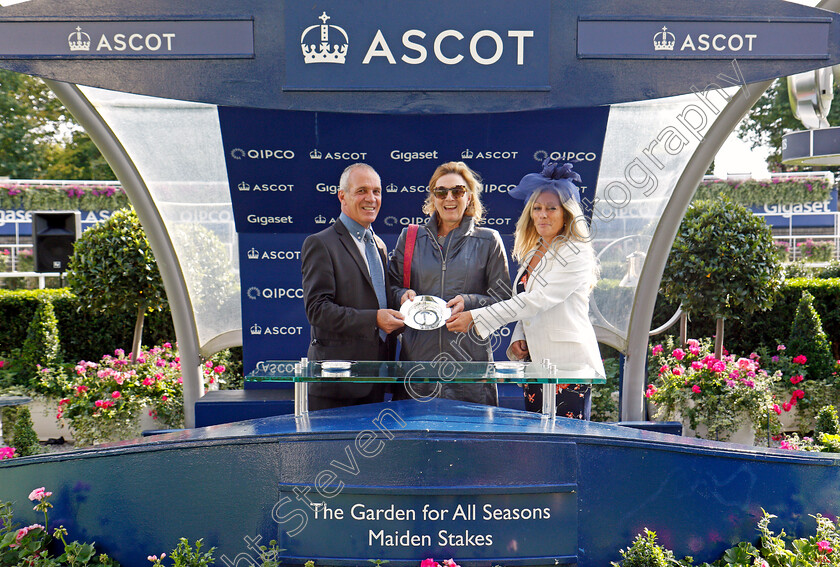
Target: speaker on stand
x,y
53,236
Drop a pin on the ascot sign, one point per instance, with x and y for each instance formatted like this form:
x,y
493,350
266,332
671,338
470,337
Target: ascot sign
x,y
385,57
419,44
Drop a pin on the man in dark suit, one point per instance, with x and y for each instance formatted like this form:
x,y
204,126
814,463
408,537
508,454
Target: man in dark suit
x,y
344,291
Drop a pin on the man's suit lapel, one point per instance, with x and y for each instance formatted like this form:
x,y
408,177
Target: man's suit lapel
x,y
349,243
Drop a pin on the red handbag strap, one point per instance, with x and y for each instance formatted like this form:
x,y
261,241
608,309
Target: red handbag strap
x,y
410,239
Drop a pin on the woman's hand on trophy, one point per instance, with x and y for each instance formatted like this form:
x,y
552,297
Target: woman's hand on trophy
x,y
457,305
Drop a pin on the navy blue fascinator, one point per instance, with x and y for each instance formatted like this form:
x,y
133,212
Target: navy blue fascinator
x,y
553,176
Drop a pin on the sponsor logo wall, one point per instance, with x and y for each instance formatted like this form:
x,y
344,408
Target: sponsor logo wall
x,y
284,167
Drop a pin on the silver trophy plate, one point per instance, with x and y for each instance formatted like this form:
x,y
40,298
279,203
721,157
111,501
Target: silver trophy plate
x,y
425,312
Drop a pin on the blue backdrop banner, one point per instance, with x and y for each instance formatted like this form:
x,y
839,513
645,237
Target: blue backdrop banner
x,y
284,167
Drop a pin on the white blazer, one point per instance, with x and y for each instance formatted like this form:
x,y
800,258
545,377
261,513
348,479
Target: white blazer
x,y
553,311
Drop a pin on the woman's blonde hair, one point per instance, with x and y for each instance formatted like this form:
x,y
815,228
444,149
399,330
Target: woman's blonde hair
x,y
474,209
526,237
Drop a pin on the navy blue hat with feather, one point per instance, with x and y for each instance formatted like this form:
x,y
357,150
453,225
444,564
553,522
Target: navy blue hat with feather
x,y
561,178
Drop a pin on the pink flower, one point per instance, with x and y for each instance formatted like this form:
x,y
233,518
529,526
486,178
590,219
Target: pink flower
x,y
787,406
796,379
98,403
167,345
63,401
154,558
678,353
108,403
164,397
781,347
746,364
7,453
81,389
777,409
160,362
2,363
824,546
801,359
219,369
693,343
148,381
719,366
696,365
695,389
651,390
39,493
677,371
119,352
429,563
798,394
116,394
664,368
450,563
656,350
774,358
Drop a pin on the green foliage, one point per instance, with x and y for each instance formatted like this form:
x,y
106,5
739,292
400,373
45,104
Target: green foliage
x,y
84,336
645,552
605,396
42,346
808,338
771,118
32,546
30,115
68,197
827,421
753,192
723,262
113,266
771,327
24,438
78,158
819,251
185,556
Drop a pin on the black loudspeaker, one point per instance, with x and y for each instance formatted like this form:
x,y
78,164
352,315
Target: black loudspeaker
x,y
53,235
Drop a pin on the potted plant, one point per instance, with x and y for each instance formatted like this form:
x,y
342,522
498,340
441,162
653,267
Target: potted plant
x,y
713,397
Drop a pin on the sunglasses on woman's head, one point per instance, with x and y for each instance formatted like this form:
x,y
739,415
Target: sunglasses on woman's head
x,y
442,192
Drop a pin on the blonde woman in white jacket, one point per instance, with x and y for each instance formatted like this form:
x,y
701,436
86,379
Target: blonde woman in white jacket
x,y
558,270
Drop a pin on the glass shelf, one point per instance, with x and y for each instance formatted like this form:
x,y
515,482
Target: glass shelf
x,y
427,371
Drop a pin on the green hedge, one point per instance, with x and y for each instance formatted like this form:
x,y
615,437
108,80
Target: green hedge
x,y
770,327
753,192
84,335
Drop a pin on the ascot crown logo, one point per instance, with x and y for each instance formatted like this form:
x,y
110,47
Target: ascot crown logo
x,y
253,254
467,154
256,329
391,188
326,50
664,40
320,219
79,40
244,186
315,154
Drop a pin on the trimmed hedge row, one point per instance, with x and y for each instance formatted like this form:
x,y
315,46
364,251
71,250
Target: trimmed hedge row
x,y
770,327
84,335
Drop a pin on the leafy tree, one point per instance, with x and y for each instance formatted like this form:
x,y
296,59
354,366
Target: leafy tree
x,y
24,438
113,267
42,345
30,116
77,158
38,137
772,117
723,264
808,338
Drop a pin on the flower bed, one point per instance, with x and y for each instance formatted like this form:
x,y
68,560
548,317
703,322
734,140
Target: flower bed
x,y
720,395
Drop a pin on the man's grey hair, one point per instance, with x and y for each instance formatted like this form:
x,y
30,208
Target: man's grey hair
x,y
345,175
